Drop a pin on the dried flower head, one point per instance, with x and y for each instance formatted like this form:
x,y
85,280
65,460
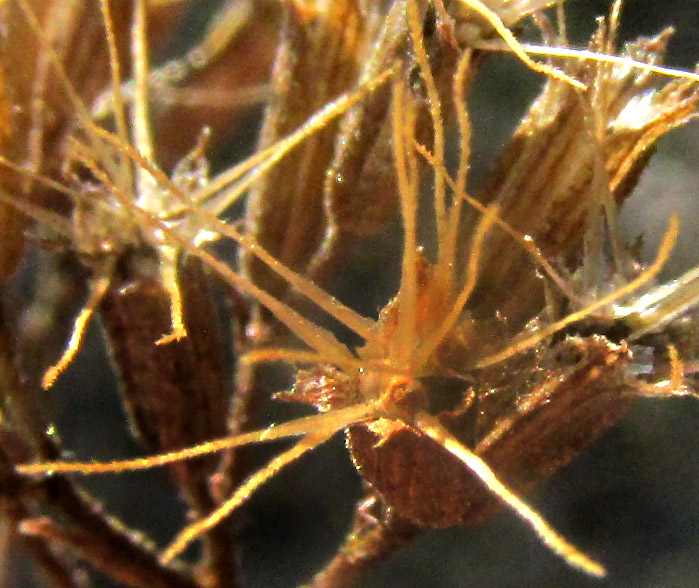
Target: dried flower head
x,y
495,362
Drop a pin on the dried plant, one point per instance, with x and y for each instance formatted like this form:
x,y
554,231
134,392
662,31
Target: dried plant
x,y
521,327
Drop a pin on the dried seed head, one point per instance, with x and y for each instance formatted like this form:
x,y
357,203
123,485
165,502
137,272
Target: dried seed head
x,y
528,407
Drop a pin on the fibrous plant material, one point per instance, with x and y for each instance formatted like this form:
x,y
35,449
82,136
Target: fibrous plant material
x,y
573,160
466,390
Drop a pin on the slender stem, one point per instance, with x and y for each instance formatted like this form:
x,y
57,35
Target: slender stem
x,y
102,541
368,543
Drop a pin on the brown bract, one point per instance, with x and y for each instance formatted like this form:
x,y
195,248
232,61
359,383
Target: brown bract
x,y
573,161
524,432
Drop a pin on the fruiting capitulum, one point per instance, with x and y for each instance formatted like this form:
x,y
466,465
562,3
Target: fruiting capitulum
x,y
432,365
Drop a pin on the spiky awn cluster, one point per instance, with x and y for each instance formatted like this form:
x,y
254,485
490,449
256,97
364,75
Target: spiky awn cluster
x,y
401,346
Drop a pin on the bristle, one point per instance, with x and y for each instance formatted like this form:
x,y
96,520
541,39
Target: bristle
x,y
140,121
117,96
240,496
431,427
435,108
523,241
643,278
328,303
97,292
221,188
325,423
427,348
81,111
403,120
169,258
586,55
448,250
516,47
